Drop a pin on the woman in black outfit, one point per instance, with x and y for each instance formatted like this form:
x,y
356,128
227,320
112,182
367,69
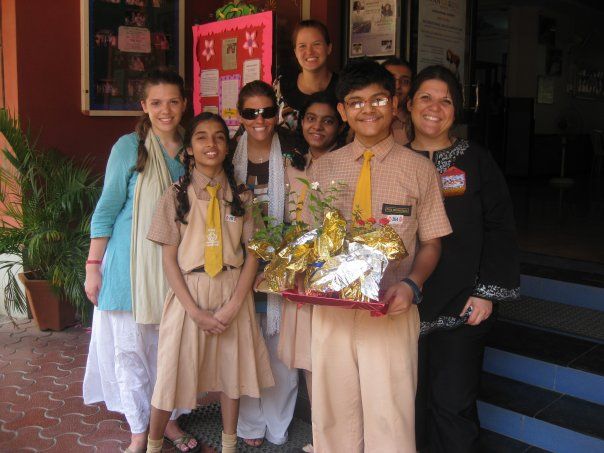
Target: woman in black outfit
x,y
478,267
312,46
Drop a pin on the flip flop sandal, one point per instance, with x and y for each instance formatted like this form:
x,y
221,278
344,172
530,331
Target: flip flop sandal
x,y
184,440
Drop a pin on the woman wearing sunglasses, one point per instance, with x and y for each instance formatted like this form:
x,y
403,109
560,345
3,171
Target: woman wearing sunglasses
x,y
262,153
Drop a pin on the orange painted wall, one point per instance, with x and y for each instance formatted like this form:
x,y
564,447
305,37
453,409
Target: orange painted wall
x,y
48,77
47,72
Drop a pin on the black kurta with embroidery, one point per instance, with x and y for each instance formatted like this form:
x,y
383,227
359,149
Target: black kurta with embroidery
x,y
480,257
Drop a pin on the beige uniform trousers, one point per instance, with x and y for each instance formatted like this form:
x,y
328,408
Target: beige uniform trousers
x,y
364,381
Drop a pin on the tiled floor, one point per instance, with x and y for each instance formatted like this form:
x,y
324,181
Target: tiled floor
x,y
41,406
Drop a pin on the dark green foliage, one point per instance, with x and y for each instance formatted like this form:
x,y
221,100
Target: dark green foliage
x,y
46,201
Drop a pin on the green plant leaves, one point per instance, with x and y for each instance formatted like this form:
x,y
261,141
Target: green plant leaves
x,y
47,200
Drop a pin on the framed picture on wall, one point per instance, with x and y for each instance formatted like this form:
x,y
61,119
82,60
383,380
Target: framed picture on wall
x,y
373,28
121,41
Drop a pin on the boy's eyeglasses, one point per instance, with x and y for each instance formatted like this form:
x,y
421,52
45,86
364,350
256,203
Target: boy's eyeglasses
x,y
377,102
251,114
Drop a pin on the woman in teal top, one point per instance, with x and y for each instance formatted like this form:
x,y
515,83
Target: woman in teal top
x,y
124,278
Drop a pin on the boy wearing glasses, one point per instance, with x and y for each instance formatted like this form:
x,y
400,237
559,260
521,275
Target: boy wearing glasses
x,y
364,367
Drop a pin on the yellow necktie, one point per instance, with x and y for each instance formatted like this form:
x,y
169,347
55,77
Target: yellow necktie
x,y
300,203
362,195
213,247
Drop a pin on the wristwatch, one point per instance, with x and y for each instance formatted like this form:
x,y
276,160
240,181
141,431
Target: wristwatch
x,y
417,293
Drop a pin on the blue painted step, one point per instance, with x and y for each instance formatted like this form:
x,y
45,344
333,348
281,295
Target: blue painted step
x,y
548,360
539,417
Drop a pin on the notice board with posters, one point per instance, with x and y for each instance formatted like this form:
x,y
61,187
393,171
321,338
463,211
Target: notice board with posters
x,y
121,41
227,55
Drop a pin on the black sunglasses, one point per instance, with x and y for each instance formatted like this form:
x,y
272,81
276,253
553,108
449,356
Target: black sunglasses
x,y
251,114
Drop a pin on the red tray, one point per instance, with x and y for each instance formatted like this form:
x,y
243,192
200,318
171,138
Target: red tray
x,y
376,308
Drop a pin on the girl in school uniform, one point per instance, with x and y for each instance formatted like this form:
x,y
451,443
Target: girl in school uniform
x,y
263,152
321,130
123,271
208,340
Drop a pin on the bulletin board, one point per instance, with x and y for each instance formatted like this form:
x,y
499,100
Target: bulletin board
x,y
228,54
121,41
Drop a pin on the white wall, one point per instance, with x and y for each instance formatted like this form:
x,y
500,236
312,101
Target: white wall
x,y
3,281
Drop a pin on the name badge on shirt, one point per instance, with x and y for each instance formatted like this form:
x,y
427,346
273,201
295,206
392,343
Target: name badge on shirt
x,y
396,213
396,209
454,182
230,218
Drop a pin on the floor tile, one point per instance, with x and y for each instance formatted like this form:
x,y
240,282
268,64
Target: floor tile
x,y
576,415
74,405
111,446
72,424
496,443
49,369
537,344
101,415
8,414
592,361
515,396
28,437
34,417
6,438
108,429
68,391
12,395
72,376
67,443
15,379
43,400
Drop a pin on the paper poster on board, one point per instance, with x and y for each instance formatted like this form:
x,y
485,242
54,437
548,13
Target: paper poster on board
x,y
134,39
373,28
229,92
228,54
251,70
441,35
209,82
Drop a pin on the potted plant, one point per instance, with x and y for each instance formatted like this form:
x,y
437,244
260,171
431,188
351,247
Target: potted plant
x,y
46,201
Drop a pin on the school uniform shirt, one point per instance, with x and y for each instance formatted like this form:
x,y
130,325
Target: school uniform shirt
x,y
112,218
400,128
363,367
480,258
404,188
165,229
190,361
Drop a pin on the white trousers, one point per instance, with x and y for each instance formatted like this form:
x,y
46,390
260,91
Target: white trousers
x,y
122,366
270,415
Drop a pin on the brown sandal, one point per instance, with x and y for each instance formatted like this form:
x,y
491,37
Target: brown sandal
x,y
184,441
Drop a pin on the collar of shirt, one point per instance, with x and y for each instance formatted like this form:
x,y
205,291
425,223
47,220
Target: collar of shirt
x,y
200,181
380,150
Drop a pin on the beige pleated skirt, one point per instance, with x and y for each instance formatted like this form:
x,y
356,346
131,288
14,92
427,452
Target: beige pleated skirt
x,y
295,335
191,361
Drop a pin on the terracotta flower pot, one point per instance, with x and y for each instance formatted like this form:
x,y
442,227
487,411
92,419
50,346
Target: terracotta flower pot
x,y
50,311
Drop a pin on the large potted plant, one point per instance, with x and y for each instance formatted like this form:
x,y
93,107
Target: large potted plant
x,y
45,205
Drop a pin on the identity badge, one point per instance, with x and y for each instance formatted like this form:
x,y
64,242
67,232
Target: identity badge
x,y
454,182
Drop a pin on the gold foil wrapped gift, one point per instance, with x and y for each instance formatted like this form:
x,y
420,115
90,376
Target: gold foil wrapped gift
x,y
384,239
295,257
333,233
261,249
354,274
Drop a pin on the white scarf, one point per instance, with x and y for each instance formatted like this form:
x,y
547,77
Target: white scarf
x,y
148,283
276,208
